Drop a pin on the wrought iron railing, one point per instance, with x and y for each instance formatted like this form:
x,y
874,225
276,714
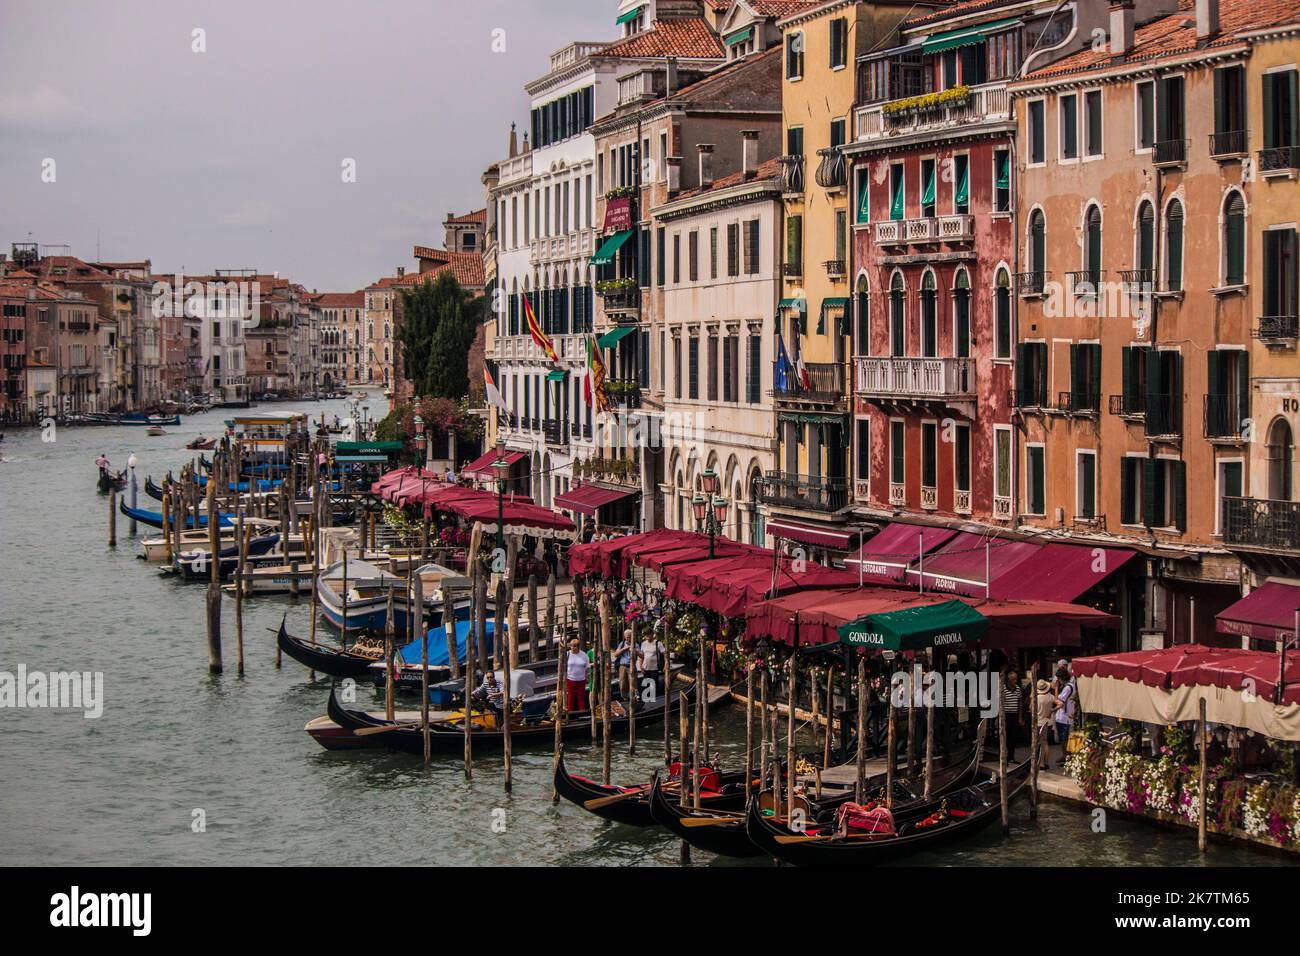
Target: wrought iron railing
x,y
1085,281
1224,416
825,381
624,393
1079,403
830,171
1031,283
1027,397
811,492
1169,152
1164,416
1228,143
1261,523
1277,327
791,174
555,431
1279,159
1134,403
834,267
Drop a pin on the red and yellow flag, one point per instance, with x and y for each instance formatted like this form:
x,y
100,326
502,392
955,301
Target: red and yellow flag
x,y
538,335
594,387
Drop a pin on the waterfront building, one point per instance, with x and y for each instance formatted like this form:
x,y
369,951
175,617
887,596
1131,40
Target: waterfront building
x,y
1136,213
379,298
343,337
808,489
13,350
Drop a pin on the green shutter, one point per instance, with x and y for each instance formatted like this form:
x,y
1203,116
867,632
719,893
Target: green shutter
x,y
1022,387
1175,243
1235,238
1155,410
1293,108
1076,378
1178,470
1041,383
1126,489
1036,504
1090,489
1270,123
1004,171
864,196
793,240
1215,412
1126,359
927,197
1243,392
896,200
1221,100
1148,491
1094,376
963,186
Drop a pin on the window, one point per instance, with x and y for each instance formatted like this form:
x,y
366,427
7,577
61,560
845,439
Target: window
x,y
733,249
1171,125
927,188
929,318
753,382
794,243
841,237
929,454
1085,377
1146,241
1085,485
1280,451
693,254
694,368
661,258
1280,277
1280,113
751,247
896,293
730,368
794,140
1174,246
1164,392
1002,461
677,258
1234,239
839,30
1230,484
1002,314
1001,181
1134,362
793,56
1037,134
712,371
961,184
1145,120
1091,250
897,452
1031,374
1035,503
1130,489
1069,126
961,315
1227,392
1164,493
837,131
862,182
961,458
862,314
1092,123
677,366
863,449
1229,111
1037,245
896,200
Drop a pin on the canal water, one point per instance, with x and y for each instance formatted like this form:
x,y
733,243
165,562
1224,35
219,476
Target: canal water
x,y
175,747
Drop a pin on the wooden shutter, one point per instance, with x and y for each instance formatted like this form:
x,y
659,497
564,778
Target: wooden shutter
x,y
1178,473
1022,384
1126,360
1214,395
1148,491
1155,409
1036,465
1270,104
1243,391
1127,501
1076,377
1094,376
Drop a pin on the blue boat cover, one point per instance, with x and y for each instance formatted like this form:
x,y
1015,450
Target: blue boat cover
x,y
437,638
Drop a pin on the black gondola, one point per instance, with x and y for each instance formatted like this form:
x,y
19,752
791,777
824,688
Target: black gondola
x,y
334,661
634,807
725,833
110,481
153,489
918,827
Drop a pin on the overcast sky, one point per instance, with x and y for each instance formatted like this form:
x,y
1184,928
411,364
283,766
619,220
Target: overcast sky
x,y
233,157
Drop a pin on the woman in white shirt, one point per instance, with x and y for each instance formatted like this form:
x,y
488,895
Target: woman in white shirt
x,y
575,674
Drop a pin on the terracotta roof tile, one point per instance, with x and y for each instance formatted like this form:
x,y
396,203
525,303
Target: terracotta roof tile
x,y
781,8
690,39
467,267
1176,34
477,216
950,9
341,300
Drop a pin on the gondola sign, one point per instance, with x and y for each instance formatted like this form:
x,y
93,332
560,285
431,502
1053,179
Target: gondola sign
x,y
916,628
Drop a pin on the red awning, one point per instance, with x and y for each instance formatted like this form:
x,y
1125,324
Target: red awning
x,y
1060,572
481,467
586,499
1196,665
813,535
964,563
1267,613
885,558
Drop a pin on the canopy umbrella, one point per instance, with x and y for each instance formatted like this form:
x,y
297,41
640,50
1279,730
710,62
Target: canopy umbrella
x,y
885,558
916,628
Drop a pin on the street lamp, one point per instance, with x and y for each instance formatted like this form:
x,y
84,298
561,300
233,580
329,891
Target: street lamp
x,y
131,462
710,508
419,433
500,467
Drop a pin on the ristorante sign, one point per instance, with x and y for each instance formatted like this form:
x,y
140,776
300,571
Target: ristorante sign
x,y
618,214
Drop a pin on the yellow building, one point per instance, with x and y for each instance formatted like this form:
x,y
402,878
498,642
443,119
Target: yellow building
x,y
808,493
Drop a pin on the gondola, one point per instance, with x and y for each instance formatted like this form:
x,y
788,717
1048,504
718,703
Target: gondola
x,y
725,833
111,481
201,443
196,565
154,519
727,792
923,826
334,661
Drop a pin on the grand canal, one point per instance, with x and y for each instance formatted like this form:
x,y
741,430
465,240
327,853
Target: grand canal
x,y
172,740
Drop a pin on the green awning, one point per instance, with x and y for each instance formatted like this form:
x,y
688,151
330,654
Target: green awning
x,y
927,196
362,458
800,304
368,447
1004,172
631,14
605,254
556,375
613,337
834,302
896,203
740,36
952,39
810,418
962,195
916,628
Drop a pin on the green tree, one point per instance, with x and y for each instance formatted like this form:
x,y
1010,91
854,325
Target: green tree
x,y
439,321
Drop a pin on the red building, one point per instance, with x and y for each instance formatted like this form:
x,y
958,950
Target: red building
x,y
932,170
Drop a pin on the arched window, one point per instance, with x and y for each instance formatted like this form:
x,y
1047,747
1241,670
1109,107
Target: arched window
x,y
961,315
1281,455
1002,313
1234,239
1037,246
1092,248
862,313
929,319
896,292
1174,246
1146,241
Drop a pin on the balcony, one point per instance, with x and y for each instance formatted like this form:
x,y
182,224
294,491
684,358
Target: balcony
x,y
915,379
897,493
1165,417
933,112
1279,161
1031,283
792,270
1138,281
791,175
1228,144
1224,417
1261,523
555,431
825,382
961,501
1085,282
1169,152
929,497
834,268
1031,398
809,492
1003,507
1133,405
1278,330
925,231
618,296
830,171
1080,403
957,228
623,393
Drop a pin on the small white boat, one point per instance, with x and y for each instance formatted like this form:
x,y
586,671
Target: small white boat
x,y
365,595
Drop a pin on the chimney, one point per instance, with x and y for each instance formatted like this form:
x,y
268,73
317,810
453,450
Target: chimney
x,y
670,76
1121,27
1207,19
513,150
706,164
401,271
749,152
674,174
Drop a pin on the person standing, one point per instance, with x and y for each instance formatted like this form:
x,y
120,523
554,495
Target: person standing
x,y
1043,718
575,673
1013,707
1065,706
653,656
623,659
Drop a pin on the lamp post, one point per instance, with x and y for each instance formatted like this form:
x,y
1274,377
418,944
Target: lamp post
x,y
131,462
419,435
710,508
500,467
